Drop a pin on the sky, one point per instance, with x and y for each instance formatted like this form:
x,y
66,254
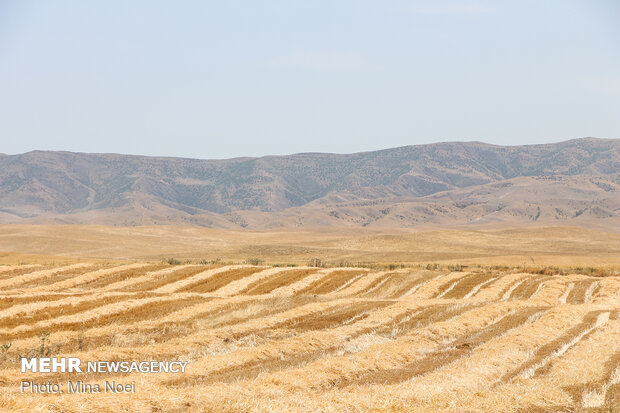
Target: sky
x,y
220,79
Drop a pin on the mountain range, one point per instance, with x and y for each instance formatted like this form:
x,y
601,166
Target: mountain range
x,y
452,183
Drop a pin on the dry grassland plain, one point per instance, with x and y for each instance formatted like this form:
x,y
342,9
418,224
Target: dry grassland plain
x,y
512,320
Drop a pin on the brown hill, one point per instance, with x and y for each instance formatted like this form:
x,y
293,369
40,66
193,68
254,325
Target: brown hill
x,y
457,183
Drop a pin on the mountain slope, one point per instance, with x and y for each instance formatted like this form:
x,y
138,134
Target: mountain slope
x,y
317,188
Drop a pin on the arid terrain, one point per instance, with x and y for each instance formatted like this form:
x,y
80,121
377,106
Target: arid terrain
x,y
443,277
576,182
522,319
524,246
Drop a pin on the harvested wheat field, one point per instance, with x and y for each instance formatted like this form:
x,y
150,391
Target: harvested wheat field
x,y
263,338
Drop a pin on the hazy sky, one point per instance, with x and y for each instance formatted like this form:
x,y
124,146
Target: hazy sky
x,y
216,79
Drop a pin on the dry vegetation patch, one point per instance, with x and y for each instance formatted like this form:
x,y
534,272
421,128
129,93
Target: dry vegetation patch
x,y
431,337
